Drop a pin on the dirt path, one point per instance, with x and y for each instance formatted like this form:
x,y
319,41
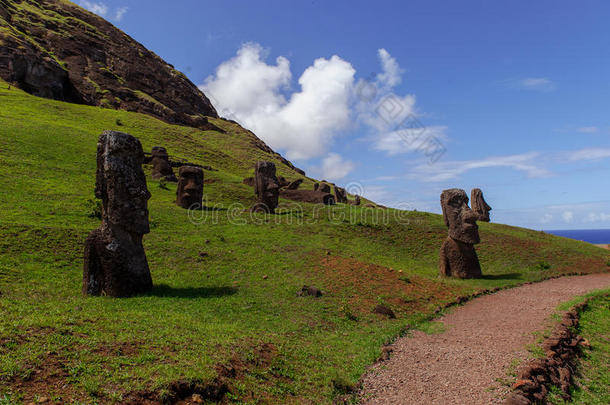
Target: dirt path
x,y
481,340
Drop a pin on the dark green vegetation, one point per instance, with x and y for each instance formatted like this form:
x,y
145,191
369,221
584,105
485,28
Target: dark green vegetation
x,y
225,300
592,384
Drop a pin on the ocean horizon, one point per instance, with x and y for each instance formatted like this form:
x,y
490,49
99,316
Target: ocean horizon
x,y
597,236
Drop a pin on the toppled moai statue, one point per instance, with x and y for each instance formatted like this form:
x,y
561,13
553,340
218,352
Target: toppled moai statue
x,y
325,188
189,193
458,256
294,185
115,262
340,195
266,187
355,201
479,206
161,168
308,196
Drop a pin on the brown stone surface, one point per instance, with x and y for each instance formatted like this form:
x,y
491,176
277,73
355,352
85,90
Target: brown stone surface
x,y
115,262
100,65
479,206
324,187
482,338
266,187
340,195
308,196
189,193
458,257
161,168
248,181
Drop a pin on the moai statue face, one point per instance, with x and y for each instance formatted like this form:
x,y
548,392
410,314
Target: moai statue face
x,y
160,162
121,183
266,186
479,206
460,219
190,187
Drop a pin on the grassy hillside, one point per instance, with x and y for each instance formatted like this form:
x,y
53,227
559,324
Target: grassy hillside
x,y
224,306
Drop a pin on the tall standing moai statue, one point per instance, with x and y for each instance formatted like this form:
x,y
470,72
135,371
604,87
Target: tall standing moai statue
x,y
340,195
458,256
189,193
266,187
479,206
115,261
161,169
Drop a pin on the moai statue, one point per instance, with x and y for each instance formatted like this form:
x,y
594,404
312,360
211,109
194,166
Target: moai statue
x,y
316,186
160,163
356,200
189,193
324,188
294,185
340,195
479,206
266,187
458,256
115,262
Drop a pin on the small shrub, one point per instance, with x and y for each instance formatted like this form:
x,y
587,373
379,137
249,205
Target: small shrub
x,y
542,265
119,122
341,385
94,208
346,311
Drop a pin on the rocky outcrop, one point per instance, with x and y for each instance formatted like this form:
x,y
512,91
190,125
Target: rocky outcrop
x,y
58,50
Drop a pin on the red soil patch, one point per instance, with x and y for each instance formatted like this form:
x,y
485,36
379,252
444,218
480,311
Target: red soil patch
x,y
364,283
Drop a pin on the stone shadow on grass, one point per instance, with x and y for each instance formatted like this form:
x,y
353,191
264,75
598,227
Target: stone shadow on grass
x,y
164,290
507,276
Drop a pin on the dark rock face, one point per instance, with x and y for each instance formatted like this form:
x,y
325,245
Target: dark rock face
x,y
458,257
308,196
479,206
266,187
161,166
325,188
310,290
294,185
340,195
189,193
79,57
115,262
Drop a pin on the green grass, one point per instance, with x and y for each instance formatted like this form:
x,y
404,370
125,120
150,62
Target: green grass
x,y
206,312
592,381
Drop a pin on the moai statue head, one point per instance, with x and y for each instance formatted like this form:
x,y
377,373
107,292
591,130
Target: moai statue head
x,y
316,186
325,188
160,162
189,194
266,187
460,219
356,199
479,206
121,183
340,195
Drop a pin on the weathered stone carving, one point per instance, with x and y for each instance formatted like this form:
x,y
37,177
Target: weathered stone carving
x,y
479,206
458,256
115,261
161,166
266,187
325,188
340,195
316,186
189,193
294,185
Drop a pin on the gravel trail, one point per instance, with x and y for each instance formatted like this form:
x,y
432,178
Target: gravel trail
x,y
481,340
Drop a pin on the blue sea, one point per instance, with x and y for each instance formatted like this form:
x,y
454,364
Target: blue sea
x,y
587,235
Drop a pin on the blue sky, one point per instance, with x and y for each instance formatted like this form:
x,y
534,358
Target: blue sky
x,y
401,101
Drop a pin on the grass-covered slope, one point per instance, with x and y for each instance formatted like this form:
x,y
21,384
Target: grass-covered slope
x,y
224,307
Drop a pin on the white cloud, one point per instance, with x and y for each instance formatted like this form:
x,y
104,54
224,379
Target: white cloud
x,y
546,218
120,13
250,90
542,84
391,72
334,167
443,171
409,140
587,130
597,217
589,154
100,9
568,216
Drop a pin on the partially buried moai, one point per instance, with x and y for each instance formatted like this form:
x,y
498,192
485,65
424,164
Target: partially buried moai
x,y
115,261
266,187
189,194
161,169
458,257
340,195
479,206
